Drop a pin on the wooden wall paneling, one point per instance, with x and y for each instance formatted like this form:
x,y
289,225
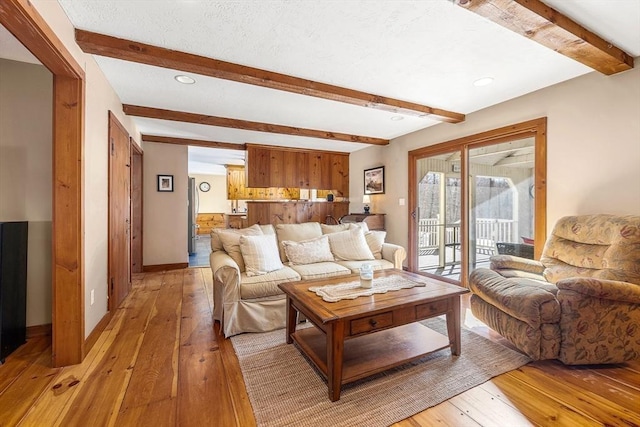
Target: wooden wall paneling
x,y
208,221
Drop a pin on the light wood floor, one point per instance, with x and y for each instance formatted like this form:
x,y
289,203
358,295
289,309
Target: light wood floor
x,y
161,362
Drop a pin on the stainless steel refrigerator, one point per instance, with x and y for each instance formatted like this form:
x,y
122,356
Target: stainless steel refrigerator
x,y
192,216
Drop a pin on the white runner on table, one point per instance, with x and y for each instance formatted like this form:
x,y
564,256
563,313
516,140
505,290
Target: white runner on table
x,y
353,290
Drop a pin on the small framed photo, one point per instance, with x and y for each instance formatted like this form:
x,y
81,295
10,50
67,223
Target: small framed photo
x,y
165,183
374,180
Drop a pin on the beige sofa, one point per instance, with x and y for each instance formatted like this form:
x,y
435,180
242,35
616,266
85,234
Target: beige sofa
x,y
245,291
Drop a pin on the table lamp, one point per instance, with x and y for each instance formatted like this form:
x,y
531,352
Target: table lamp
x,y
366,200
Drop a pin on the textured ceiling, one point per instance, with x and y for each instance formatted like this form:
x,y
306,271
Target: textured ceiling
x,y
427,51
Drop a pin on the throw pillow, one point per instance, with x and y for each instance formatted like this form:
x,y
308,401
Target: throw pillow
x,y
260,254
350,245
375,239
296,233
362,225
308,251
328,229
231,242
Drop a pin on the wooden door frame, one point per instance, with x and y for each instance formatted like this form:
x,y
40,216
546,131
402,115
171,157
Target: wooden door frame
x,y
26,25
537,128
136,151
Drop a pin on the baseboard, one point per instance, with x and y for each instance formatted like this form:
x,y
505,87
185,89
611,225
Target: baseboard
x,y
95,334
38,330
164,267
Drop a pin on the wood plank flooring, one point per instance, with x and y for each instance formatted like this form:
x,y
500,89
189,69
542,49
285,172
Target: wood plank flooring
x,y
162,362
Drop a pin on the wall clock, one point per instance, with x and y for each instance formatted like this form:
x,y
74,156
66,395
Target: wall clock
x,y
204,186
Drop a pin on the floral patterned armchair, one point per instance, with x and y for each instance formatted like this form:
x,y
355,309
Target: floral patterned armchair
x,y
580,303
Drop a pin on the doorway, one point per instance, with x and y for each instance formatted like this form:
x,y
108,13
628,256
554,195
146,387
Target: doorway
x,y
475,197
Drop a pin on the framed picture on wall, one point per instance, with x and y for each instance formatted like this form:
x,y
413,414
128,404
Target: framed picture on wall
x,y
165,183
374,180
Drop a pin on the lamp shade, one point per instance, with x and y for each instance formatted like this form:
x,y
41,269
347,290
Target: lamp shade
x,y
366,199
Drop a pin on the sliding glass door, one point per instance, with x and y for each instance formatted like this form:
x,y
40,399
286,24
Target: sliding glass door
x,y
476,197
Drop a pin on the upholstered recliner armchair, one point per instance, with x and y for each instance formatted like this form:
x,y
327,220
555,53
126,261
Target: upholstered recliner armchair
x,y
580,303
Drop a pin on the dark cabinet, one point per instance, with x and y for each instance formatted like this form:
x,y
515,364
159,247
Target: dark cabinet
x,y
373,221
13,286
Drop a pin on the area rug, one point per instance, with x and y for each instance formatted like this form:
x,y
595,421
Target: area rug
x,y
285,390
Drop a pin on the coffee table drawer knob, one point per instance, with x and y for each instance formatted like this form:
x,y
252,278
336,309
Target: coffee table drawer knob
x,y
370,323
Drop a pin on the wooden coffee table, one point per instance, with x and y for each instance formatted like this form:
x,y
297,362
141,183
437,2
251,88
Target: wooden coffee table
x,y
356,338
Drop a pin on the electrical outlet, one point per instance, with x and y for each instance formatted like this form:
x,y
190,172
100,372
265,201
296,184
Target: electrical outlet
x,y
93,296
401,202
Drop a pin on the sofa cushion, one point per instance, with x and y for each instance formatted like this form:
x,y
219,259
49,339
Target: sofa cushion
x,y
260,254
266,285
350,245
296,233
231,242
308,251
354,266
375,240
328,229
216,243
320,270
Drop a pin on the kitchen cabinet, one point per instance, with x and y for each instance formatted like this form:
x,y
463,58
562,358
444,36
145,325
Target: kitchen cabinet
x,y
295,168
208,221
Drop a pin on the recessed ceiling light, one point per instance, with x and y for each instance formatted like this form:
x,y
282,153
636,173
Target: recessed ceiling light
x,y
483,81
397,118
185,80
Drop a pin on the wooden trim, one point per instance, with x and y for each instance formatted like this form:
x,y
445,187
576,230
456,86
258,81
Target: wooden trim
x,y
38,330
537,21
95,334
128,50
536,128
137,161
135,146
164,267
193,142
202,119
26,24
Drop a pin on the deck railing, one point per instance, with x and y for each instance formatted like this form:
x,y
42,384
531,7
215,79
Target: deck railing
x,y
489,231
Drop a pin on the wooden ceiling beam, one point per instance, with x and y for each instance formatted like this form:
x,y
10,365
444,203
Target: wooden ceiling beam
x,y
127,50
180,116
539,22
193,142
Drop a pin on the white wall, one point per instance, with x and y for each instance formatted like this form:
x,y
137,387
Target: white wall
x,y
593,148
26,108
100,99
214,200
165,213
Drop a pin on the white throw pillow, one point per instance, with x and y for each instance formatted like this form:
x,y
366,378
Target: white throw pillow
x,y
308,251
328,229
230,240
362,225
260,254
375,239
350,245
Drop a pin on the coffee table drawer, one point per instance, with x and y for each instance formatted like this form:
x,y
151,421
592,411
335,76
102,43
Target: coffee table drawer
x,y
431,309
371,323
